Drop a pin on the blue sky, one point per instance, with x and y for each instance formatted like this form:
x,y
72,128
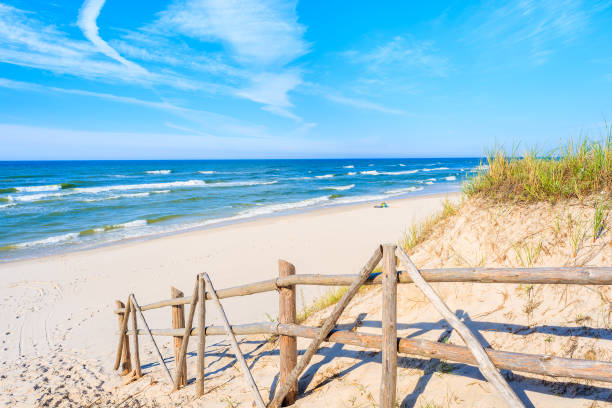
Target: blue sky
x,y
268,78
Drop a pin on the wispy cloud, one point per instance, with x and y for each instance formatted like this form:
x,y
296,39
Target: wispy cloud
x,y
538,27
260,38
263,32
401,54
87,23
28,42
362,104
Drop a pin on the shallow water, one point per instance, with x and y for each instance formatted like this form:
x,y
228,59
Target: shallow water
x,y
51,206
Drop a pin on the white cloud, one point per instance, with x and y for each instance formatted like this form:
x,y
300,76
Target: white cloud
x,y
401,56
87,23
263,32
362,104
271,91
260,39
28,42
529,27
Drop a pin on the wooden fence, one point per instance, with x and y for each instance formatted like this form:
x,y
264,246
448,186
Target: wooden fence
x,y
488,360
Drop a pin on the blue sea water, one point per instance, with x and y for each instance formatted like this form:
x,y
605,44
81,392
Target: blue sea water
x,y
46,207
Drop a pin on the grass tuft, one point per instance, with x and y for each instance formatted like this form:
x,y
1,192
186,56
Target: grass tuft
x,y
576,170
417,233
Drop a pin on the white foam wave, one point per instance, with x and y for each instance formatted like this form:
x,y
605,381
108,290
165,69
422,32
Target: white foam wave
x,y
404,190
159,172
34,197
351,173
338,188
349,167
32,189
7,205
131,224
436,168
128,195
49,241
325,176
95,190
450,178
429,182
273,208
207,172
359,199
402,165
387,173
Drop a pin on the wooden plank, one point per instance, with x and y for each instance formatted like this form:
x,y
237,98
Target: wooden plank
x,y
122,336
388,380
137,368
201,336
148,330
182,362
287,344
178,322
543,275
328,325
487,368
126,363
243,365
539,364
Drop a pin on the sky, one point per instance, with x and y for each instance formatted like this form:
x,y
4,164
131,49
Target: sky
x,y
212,79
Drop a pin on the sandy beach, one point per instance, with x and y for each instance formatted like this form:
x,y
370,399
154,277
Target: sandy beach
x,y
65,302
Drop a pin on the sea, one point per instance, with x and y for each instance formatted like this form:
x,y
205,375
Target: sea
x,y
58,206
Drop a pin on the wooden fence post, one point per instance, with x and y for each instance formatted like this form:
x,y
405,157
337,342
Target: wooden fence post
x,y
388,378
137,369
328,325
126,363
178,322
287,344
487,368
202,335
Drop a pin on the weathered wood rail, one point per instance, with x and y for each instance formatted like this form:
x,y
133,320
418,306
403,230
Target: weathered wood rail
x,y
488,360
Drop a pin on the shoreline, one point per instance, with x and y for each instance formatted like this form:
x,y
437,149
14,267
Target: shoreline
x,y
67,300
223,224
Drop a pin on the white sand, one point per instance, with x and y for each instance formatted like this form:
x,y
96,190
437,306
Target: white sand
x,y
53,306
61,329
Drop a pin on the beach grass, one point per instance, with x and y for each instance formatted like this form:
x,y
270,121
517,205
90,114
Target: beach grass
x,y
418,232
575,170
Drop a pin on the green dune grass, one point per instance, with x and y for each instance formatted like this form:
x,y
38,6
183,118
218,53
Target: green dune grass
x,y
576,170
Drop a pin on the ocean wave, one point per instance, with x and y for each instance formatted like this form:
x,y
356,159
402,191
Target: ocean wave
x,y
404,190
207,172
35,197
241,183
402,165
429,182
397,173
338,188
436,168
7,205
359,199
387,173
273,208
49,241
351,173
349,167
325,176
36,189
450,178
158,171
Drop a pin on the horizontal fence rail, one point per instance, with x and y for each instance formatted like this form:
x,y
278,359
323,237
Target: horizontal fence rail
x,y
488,360
530,363
560,275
